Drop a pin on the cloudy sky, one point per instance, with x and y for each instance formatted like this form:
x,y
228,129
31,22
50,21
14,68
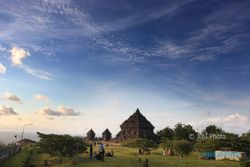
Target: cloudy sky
x,y
67,65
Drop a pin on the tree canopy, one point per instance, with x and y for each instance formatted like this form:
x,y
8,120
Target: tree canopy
x,y
183,132
212,129
61,145
166,133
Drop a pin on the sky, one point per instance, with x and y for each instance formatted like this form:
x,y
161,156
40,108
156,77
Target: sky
x,y
67,66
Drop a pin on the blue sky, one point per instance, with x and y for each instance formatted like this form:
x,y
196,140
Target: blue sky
x,y
67,65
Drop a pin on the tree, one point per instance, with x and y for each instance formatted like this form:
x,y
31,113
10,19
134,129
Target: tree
x,y
166,133
208,145
231,135
183,132
182,147
246,135
212,129
61,145
239,143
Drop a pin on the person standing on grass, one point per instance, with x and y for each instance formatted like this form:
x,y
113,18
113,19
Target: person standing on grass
x,y
102,151
90,151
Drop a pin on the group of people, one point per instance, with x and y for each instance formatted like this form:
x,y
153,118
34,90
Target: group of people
x,y
168,152
101,152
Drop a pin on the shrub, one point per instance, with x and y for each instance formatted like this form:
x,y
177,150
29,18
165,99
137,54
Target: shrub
x,y
166,143
182,147
61,145
140,143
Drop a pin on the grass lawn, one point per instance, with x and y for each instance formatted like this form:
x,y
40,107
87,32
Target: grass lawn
x,y
126,157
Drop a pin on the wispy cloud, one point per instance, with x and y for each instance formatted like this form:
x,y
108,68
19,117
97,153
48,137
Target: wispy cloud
x,y
138,17
84,25
219,35
2,49
38,73
231,119
7,111
41,97
2,69
12,97
60,111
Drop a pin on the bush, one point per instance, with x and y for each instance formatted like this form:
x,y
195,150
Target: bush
x,y
166,143
61,145
182,147
140,143
239,143
26,158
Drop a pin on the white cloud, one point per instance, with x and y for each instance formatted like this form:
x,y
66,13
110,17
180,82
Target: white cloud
x,y
233,123
2,69
61,111
41,97
48,111
234,118
17,54
38,73
118,103
12,97
5,110
66,111
2,49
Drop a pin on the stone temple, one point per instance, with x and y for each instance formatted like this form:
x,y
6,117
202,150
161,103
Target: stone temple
x,y
91,135
106,135
136,126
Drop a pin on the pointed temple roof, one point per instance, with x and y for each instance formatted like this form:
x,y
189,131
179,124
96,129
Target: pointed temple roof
x,y
138,120
107,132
91,132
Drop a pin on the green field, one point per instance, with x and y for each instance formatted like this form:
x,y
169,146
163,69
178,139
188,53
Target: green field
x,y
124,157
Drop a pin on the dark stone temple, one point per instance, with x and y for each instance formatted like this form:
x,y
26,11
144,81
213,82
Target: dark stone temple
x,y
136,126
106,135
91,135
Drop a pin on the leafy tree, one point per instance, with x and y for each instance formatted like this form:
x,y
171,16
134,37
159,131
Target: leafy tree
x,y
61,145
208,145
182,147
183,132
240,143
246,135
166,133
231,135
213,129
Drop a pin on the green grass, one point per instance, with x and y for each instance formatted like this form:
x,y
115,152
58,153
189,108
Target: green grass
x,y
125,157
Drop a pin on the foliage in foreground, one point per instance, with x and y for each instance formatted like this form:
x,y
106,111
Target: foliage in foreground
x,y
61,145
